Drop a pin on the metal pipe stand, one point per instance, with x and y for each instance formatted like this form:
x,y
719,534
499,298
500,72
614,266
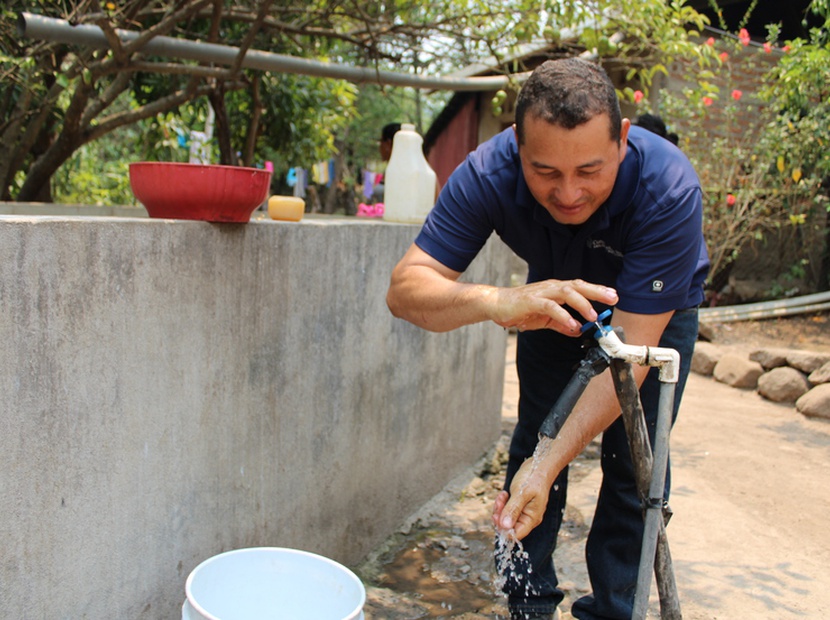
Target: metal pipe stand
x,y
650,466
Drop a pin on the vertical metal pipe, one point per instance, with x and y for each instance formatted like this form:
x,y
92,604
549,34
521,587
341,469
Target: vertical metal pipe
x,y
666,585
644,462
655,554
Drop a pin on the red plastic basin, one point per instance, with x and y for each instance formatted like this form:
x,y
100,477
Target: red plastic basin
x,y
210,193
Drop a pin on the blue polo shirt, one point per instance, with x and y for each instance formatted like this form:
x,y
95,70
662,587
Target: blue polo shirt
x,y
646,240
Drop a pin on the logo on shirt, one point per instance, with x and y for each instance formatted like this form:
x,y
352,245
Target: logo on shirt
x,y
599,244
657,286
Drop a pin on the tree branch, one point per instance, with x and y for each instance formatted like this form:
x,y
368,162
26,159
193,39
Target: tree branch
x,y
164,104
163,27
110,94
114,41
250,36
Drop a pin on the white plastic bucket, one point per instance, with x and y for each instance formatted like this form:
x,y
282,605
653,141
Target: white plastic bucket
x,y
270,583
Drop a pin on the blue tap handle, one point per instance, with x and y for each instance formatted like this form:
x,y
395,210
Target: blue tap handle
x,y
601,329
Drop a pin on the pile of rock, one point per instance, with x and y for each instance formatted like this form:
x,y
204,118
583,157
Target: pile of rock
x,y
780,375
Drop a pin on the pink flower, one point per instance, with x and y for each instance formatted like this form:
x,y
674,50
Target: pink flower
x,y
730,199
723,56
736,94
743,36
785,49
707,101
638,96
768,47
710,41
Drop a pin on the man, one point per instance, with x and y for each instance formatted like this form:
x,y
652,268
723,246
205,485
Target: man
x,y
605,215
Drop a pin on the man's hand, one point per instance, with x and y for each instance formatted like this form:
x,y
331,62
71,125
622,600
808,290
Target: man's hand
x,y
522,509
540,305
428,294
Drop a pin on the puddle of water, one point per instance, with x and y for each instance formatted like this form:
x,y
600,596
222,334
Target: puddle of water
x,y
449,581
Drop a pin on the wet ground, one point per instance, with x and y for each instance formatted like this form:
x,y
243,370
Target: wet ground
x,y
442,565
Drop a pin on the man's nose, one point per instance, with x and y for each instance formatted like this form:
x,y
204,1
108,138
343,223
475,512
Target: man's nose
x,y
568,191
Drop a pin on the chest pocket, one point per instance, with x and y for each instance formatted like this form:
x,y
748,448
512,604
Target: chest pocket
x,y
602,262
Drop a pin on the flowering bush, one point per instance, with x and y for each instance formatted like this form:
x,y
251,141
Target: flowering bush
x,y
761,156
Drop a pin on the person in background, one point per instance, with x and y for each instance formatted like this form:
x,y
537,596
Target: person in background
x,y
604,214
655,124
387,136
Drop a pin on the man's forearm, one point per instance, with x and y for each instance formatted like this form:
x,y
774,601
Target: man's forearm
x,y
418,295
596,410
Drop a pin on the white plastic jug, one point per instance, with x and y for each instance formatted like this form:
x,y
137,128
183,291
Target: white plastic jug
x,y
270,583
409,182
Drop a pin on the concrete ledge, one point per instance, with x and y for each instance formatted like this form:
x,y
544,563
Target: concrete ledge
x,y
64,210
175,389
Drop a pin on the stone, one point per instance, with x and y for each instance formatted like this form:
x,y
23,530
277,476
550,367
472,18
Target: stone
x,y
737,371
822,375
783,384
705,357
478,487
705,331
816,402
746,291
807,361
770,358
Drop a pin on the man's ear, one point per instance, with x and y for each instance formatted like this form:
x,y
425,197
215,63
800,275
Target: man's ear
x,y
624,127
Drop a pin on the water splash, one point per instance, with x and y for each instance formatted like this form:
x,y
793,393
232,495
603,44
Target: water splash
x,y
513,565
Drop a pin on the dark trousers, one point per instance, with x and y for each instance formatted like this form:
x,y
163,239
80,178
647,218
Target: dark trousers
x,y
545,362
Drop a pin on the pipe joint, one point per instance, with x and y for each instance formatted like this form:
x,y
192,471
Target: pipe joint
x,y
667,360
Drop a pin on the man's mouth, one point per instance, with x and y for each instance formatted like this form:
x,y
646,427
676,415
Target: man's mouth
x,y
568,208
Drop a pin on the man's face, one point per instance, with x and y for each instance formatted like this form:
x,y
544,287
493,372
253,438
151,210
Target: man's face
x,y
571,172
385,148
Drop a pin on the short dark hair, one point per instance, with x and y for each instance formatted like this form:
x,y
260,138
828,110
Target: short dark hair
x,y
568,92
388,132
655,124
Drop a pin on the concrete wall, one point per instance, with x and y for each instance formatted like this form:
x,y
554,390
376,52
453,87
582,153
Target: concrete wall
x,y
172,390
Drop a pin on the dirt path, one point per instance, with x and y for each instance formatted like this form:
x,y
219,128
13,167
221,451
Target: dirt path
x,y
750,536
750,495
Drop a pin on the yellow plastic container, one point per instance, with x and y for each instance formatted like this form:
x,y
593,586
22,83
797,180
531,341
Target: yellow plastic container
x,y
287,208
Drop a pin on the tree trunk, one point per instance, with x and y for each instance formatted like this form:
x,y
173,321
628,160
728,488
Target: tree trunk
x,y
824,274
253,125
69,139
339,195
222,128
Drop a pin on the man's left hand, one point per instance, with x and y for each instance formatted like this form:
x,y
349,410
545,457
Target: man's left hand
x,y
522,509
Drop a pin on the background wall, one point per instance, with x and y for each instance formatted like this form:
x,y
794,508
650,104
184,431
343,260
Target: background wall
x,y
172,390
